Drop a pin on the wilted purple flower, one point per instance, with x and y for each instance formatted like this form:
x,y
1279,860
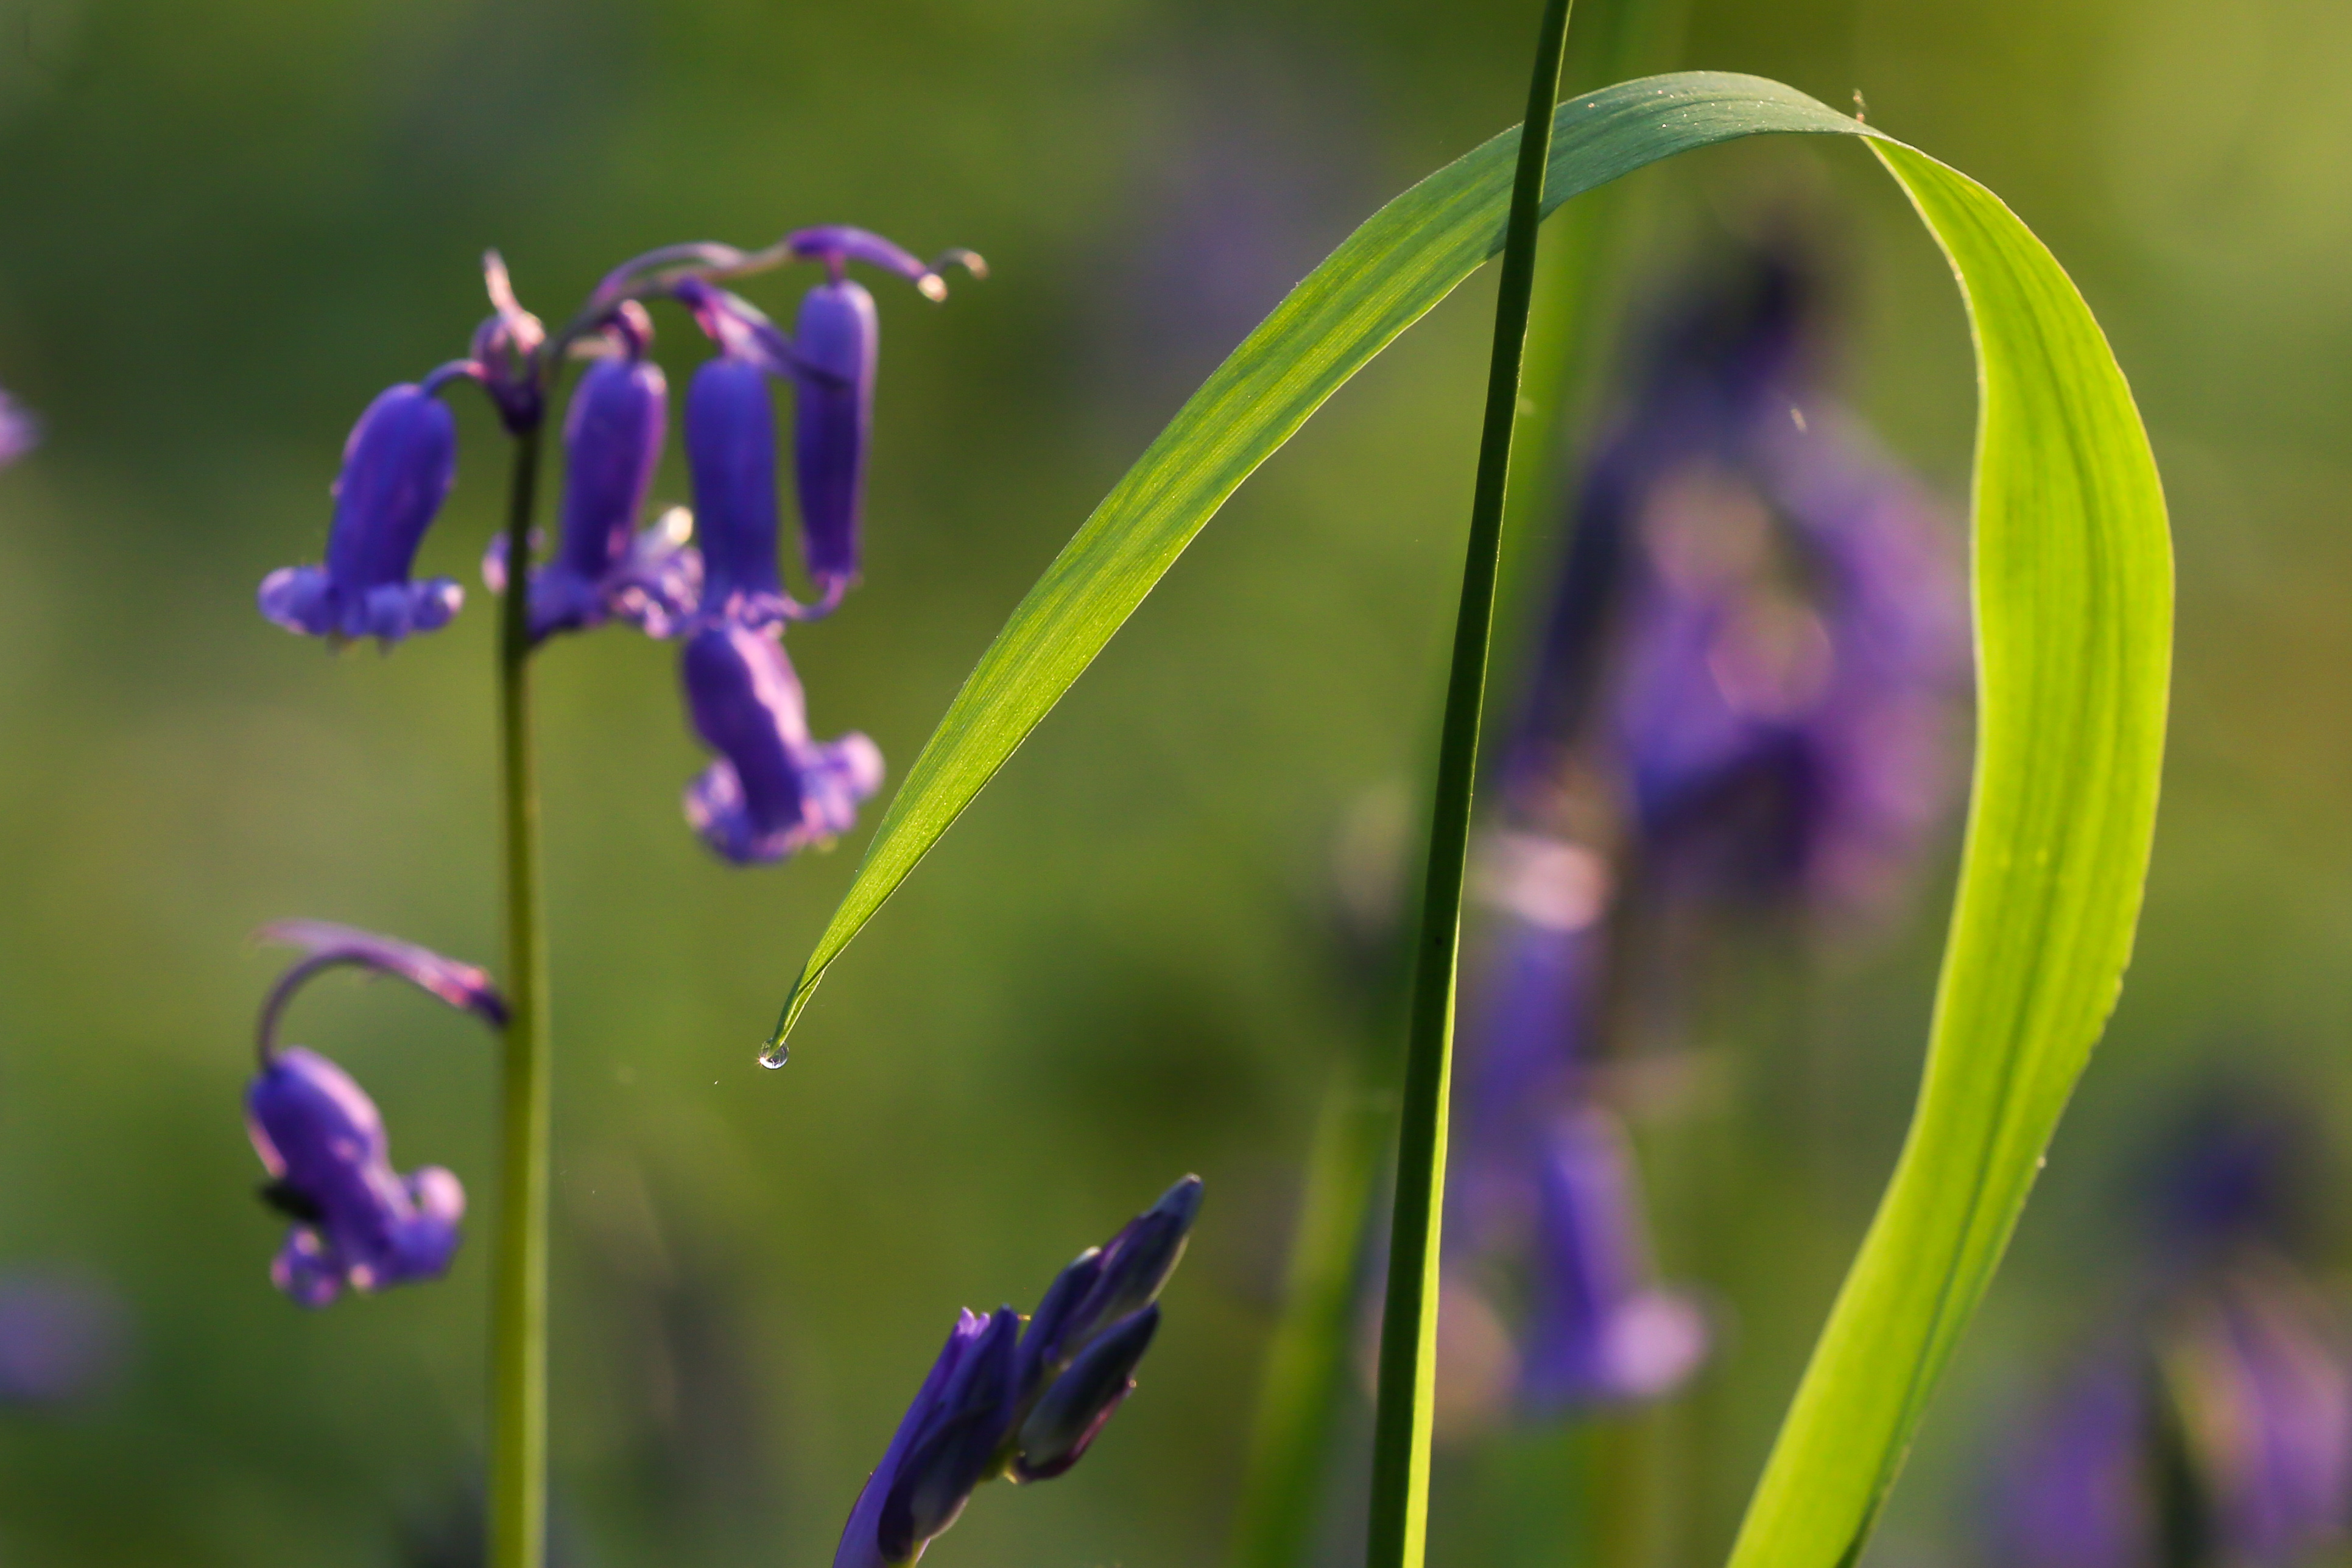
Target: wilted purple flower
x,y
60,1339
358,1222
1001,1401
20,431
397,469
1602,1329
772,790
2257,1368
603,565
2075,1487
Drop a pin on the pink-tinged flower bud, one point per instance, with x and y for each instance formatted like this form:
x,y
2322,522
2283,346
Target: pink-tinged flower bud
x,y
397,469
773,790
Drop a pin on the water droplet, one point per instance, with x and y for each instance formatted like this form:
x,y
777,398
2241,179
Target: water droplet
x,y
775,1055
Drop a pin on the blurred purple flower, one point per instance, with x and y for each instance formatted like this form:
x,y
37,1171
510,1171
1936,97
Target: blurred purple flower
x,y
1794,631
1001,1401
772,790
2258,1372
604,567
2074,1488
357,1222
397,469
20,431
60,1339
1602,1331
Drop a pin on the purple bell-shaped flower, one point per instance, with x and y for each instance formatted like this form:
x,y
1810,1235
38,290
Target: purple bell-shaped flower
x,y
1603,1331
837,341
397,469
358,1223
730,456
772,790
1004,1401
605,567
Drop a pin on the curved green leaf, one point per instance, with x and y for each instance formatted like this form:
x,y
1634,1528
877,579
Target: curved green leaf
x,y
2072,578
2072,591
1385,277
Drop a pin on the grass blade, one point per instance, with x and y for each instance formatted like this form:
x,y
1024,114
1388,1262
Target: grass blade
x,y
2072,581
1385,277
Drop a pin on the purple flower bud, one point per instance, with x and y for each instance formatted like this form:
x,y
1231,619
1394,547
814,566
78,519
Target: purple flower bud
x,y
838,338
960,1446
604,567
992,1406
730,454
357,1222
773,790
860,1546
20,431
397,469
1604,1331
1077,1404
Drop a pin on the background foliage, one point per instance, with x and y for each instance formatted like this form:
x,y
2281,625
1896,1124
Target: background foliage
x,y
224,232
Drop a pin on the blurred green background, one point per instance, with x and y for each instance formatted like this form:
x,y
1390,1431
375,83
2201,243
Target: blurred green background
x,y
223,228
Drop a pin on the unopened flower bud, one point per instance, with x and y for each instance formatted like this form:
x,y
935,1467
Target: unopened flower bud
x,y
1077,1404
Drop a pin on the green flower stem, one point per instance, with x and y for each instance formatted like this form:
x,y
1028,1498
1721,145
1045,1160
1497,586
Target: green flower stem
x,y
1400,1504
518,1491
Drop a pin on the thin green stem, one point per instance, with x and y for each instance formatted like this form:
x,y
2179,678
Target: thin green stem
x,y
518,1489
1399,1505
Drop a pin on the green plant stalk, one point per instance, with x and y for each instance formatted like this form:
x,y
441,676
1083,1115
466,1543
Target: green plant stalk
x,y
518,1484
1305,1377
1401,1428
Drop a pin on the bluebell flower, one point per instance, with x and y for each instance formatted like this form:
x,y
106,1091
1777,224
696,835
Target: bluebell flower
x,y
772,790
397,469
730,424
1026,1404
730,456
358,1223
605,567
837,339
1602,1329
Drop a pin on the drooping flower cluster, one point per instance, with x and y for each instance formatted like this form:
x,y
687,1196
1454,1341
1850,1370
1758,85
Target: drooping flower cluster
x,y
712,576
358,1223
2213,1422
1003,1400
1740,702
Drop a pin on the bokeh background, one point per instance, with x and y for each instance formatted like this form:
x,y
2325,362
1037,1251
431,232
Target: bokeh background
x,y
224,228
